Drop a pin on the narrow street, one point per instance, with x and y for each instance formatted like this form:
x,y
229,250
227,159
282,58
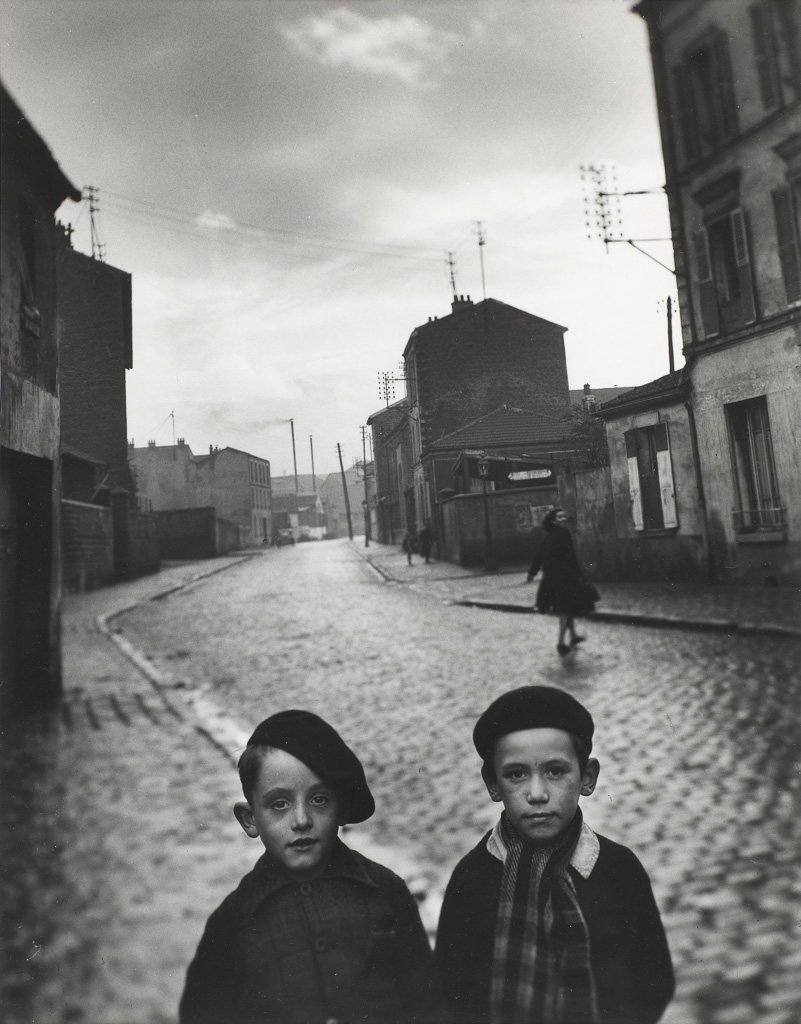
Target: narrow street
x,y
697,734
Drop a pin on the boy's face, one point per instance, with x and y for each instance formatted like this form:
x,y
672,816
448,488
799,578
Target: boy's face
x,y
293,812
538,780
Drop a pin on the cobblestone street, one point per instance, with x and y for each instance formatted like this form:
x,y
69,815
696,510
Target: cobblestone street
x,y
119,833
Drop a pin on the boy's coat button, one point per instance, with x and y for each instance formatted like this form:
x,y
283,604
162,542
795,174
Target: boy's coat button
x,y
306,888
319,945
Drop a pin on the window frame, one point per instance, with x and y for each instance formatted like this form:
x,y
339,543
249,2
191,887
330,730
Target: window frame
x,y
706,113
645,511
764,510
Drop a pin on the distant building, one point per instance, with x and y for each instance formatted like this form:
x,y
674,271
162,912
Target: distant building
x,y
333,499
32,187
468,364
394,467
590,399
235,483
727,75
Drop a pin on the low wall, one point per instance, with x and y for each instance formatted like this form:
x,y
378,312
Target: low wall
x,y
514,518
87,546
143,552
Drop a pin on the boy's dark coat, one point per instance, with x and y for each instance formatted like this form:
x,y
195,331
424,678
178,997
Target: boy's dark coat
x,y
347,946
629,953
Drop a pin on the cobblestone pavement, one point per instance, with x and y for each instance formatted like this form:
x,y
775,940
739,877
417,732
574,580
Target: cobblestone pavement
x,y
124,840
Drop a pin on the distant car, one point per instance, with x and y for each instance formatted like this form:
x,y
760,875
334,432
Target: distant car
x,y
284,536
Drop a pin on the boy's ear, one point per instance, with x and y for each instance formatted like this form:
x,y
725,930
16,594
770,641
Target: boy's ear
x,y
243,813
589,777
490,781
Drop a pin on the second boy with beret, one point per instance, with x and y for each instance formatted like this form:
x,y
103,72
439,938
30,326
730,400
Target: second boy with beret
x,y
545,922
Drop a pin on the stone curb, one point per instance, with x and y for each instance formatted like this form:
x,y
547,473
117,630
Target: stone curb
x,y
627,618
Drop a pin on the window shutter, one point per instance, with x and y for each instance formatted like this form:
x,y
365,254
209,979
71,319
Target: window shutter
x,y
706,284
765,53
632,447
728,106
743,266
685,116
788,242
665,469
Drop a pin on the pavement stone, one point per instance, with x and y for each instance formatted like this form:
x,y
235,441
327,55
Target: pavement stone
x,y
117,799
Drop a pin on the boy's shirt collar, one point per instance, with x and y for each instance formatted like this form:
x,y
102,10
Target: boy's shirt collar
x,y
583,858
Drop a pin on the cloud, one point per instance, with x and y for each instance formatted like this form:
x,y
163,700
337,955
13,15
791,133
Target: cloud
x,y
215,221
401,47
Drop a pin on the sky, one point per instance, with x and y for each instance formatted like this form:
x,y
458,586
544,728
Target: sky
x,y
285,178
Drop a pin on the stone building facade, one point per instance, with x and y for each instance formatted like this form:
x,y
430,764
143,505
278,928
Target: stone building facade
x,y
32,187
727,75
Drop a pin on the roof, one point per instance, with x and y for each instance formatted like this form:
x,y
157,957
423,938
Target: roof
x,y
20,137
450,320
307,484
653,393
508,426
600,395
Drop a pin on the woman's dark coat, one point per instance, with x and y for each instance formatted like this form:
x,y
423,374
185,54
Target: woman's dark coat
x,y
561,588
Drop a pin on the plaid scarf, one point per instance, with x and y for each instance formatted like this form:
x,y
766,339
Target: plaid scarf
x,y
541,971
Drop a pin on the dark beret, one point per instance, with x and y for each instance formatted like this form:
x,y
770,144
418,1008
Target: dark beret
x,y
531,707
319,746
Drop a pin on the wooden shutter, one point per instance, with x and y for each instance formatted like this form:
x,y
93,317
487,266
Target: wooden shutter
x,y
685,114
632,447
788,242
743,266
725,84
765,54
665,468
706,284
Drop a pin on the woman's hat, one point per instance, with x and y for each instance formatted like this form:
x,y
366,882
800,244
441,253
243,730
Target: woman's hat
x,y
319,746
532,707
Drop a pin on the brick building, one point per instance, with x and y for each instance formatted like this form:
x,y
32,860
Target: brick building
x,y
470,363
32,187
95,351
727,76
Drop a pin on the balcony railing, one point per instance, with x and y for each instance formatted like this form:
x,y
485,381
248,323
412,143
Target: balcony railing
x,y
752,519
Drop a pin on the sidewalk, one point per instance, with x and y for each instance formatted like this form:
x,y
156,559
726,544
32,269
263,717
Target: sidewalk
x,y
102,823
772,611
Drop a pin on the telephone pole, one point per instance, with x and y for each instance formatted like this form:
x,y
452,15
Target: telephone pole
x,y
670,333
451,261
482,241
294,458
345,491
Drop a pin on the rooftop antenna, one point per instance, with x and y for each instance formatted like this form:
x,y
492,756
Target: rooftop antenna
x,y
482,241
92,194
451,261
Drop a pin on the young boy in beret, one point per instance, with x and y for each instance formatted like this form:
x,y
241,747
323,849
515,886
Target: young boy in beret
x,y
545,922
315,932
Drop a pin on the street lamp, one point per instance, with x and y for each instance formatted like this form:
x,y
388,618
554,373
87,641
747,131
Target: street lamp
x,y
490,565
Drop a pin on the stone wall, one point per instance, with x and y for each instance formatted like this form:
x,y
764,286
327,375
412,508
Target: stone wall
x,y
87,545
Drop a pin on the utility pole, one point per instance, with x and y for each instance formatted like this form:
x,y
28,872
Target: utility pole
x,y
451,261
366,490
91,194
314,480
172,417
670,333
294,458
345,491
482,241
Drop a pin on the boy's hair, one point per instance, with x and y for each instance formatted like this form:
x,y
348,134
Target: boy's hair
x,y
319,746
534,707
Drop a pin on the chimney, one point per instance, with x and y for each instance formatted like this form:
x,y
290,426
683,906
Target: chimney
x,y
211,449
460,302
181,441
151,444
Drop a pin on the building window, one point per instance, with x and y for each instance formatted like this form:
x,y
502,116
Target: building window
x,y
704,97
766,55
787,210
756,492
653,498
723,267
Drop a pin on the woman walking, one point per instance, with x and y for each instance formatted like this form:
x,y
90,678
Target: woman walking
x,y
562,588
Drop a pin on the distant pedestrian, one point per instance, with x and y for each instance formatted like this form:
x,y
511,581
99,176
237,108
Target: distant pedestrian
x,y
424,539
545,922
316,931
408,545
562,589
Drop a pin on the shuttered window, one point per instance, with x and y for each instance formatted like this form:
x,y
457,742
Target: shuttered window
x,y
765,54
755,484
788,233
723,274
650,469
703,98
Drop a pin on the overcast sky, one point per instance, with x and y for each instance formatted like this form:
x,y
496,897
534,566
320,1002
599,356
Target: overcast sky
x,y
283,179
